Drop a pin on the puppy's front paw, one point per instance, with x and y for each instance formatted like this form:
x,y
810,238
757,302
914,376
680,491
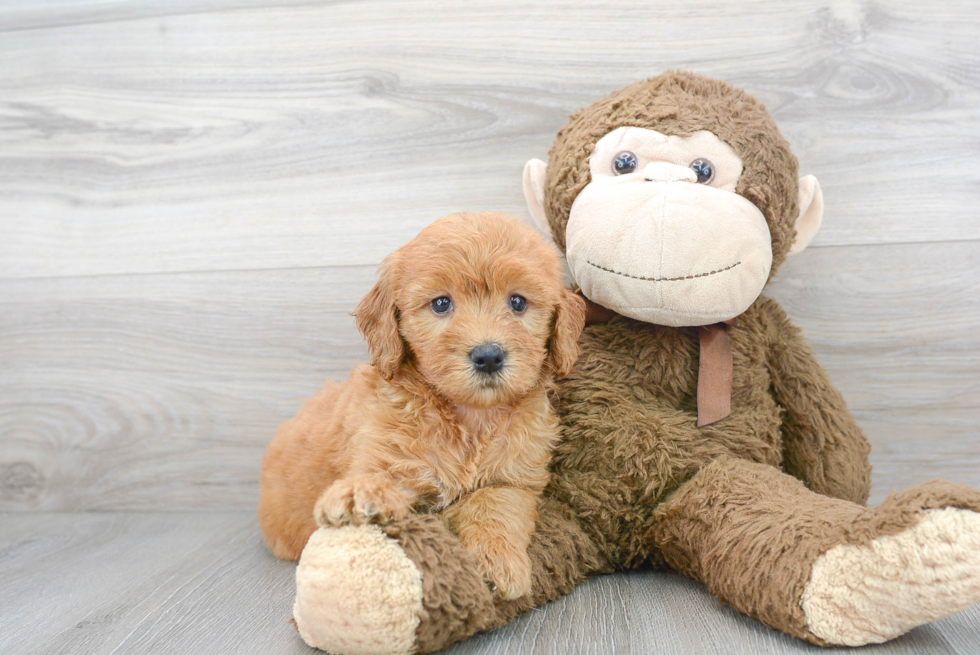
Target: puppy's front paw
x,y
376,500
507,568
335,506
359,500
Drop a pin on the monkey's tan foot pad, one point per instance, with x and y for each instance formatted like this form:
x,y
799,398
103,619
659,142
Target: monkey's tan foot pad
x,y
405,587
357,593
864,594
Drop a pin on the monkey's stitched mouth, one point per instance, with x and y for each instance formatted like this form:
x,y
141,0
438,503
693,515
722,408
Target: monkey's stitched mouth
x,y
663,279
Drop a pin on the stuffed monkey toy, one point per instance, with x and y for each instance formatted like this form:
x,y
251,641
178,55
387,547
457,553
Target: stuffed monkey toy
x,y
699,432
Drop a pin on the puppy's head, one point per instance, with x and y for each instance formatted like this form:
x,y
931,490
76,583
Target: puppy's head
x,y
477,301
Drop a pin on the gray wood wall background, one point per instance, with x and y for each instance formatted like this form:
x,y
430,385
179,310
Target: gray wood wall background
x,y
193,195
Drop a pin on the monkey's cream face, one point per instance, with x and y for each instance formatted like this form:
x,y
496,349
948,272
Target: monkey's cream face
x,y
660,235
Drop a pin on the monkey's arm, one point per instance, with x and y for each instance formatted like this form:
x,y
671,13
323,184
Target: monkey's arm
x,y
822,443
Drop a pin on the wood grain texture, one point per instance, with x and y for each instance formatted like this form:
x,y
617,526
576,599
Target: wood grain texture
x,y
896,327
256,138
16,15
193,194
142,583
187,582
161,391
640,612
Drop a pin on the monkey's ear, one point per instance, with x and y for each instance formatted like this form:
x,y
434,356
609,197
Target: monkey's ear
x,y
569,323
534,175
376,317
811,213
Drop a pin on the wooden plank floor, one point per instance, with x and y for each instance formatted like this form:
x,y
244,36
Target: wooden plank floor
x,y
202,582
195,193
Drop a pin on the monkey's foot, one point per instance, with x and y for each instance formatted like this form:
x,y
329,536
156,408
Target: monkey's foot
x,y
864,594
357,592
405,587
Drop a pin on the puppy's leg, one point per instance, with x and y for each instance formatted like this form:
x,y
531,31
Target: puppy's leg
x,y
366,498
495,525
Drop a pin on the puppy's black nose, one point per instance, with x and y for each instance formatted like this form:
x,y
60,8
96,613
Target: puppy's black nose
x,y
487,358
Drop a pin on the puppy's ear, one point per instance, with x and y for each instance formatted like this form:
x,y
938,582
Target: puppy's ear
x,y
376,317
569,322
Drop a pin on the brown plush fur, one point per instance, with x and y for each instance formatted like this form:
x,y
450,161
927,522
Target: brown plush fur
x,y
719,526
745,504
457,604
680,104
628,408
420,428
628,411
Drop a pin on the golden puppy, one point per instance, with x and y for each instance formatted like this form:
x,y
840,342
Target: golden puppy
x,y
467,325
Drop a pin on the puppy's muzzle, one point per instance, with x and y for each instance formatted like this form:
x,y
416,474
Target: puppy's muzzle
x,y
488,358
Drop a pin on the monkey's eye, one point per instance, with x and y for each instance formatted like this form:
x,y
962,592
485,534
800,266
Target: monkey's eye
x,y
624,163
441,305
704,169
518,303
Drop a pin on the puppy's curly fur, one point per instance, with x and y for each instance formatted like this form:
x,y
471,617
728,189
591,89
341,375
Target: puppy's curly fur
x,y
422,428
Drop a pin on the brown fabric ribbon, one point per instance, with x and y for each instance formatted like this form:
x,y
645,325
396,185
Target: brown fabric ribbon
x,y
715,373
596,313
715,370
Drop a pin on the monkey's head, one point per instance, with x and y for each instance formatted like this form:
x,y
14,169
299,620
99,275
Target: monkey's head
x,y
674,200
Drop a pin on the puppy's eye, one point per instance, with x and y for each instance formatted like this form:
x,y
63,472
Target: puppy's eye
x,y
441,305
704,170
518,303
624,163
